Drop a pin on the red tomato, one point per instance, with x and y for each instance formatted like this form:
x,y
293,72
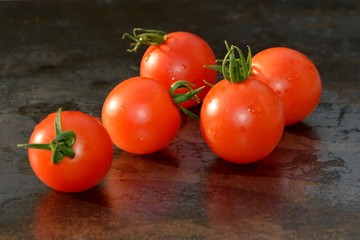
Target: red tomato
x,y
293,77
241,122
181,56
140,115
93,153
241,118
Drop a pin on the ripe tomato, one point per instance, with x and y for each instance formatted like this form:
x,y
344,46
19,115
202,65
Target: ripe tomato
x,y
178,56
293,77
141,116
242,122
92,152
241,119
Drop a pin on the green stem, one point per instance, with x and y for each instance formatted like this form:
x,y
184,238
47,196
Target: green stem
x,y
179,98
44,146
234,69
62,144
142,36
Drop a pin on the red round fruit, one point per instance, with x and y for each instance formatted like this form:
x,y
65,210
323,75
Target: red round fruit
x,y
293,77
140,115
241,122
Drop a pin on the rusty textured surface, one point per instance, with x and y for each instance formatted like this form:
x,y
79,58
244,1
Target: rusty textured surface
x,y
69,54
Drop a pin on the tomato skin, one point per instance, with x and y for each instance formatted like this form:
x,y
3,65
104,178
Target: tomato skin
x,y
181,56
140,115
293,77
93,153
242,122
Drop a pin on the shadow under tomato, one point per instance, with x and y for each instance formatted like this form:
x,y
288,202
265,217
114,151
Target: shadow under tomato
x,y
303,129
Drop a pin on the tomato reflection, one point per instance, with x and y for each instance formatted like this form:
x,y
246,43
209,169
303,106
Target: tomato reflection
x,y
181,186
151,188
62,216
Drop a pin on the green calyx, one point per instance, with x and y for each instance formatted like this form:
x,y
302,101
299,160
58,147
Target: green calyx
x,y
61,146
234,69
179,98
142,36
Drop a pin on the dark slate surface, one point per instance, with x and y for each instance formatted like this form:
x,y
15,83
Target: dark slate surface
x,y
70,54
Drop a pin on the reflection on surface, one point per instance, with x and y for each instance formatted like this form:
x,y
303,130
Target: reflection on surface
x,y
63,216
187,186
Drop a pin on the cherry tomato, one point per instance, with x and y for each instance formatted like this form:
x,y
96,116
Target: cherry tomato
x,y
178,56
293,77
242,122
141,115
70,164
241,118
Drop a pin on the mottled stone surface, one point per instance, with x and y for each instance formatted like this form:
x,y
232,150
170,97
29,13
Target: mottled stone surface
x,y
70,54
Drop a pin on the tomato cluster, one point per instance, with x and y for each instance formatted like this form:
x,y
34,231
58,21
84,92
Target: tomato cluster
x,y
242,117
142,113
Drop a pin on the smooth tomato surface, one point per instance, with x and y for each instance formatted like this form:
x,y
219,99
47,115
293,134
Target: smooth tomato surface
x,y
181,56
293,77
242,122
93,153
140,115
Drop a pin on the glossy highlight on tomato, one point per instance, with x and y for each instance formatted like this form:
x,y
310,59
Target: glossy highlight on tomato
x,y
293,77
93,153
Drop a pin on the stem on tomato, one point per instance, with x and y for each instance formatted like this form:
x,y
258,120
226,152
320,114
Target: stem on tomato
x,y
62,144
142,36
179,98
234,69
